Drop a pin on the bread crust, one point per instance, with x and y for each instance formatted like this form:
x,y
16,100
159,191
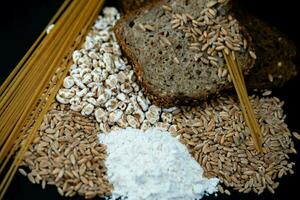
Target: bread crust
x,y
130,5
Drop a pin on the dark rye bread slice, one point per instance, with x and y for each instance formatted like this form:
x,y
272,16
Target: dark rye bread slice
x,y
166,81
276,54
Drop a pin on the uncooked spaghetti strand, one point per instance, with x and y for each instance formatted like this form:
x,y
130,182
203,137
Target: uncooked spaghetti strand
x,y
247,105
244,100
239,88
250,110
256,129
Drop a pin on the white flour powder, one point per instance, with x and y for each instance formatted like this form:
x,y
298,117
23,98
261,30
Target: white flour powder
x,y
153,165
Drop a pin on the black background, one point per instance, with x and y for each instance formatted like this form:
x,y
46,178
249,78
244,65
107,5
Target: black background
x,y
23,21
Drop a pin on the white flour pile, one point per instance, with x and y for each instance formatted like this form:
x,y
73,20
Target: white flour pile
x,y
153,165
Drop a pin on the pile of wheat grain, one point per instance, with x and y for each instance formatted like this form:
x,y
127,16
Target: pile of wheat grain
x,y
66,153
219,140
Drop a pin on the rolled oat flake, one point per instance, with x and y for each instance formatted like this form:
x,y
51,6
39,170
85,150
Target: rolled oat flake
x,y
153,165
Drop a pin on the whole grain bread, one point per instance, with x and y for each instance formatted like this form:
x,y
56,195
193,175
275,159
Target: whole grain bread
x,y
174,64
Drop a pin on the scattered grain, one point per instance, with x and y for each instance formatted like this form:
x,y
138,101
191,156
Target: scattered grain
x,y
23,172
167,8
252,54
141,26
176,60
75,148
270,77
211,3
149,27
296,135
228,152
267,93
165,40
227,192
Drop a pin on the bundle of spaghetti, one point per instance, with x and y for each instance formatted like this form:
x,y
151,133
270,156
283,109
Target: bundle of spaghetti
x,y
240,87
26,95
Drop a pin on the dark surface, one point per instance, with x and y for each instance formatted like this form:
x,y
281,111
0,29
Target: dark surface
x,y
22,22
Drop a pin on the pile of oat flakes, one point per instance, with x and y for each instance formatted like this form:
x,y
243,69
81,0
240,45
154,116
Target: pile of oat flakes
x,y
100,94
